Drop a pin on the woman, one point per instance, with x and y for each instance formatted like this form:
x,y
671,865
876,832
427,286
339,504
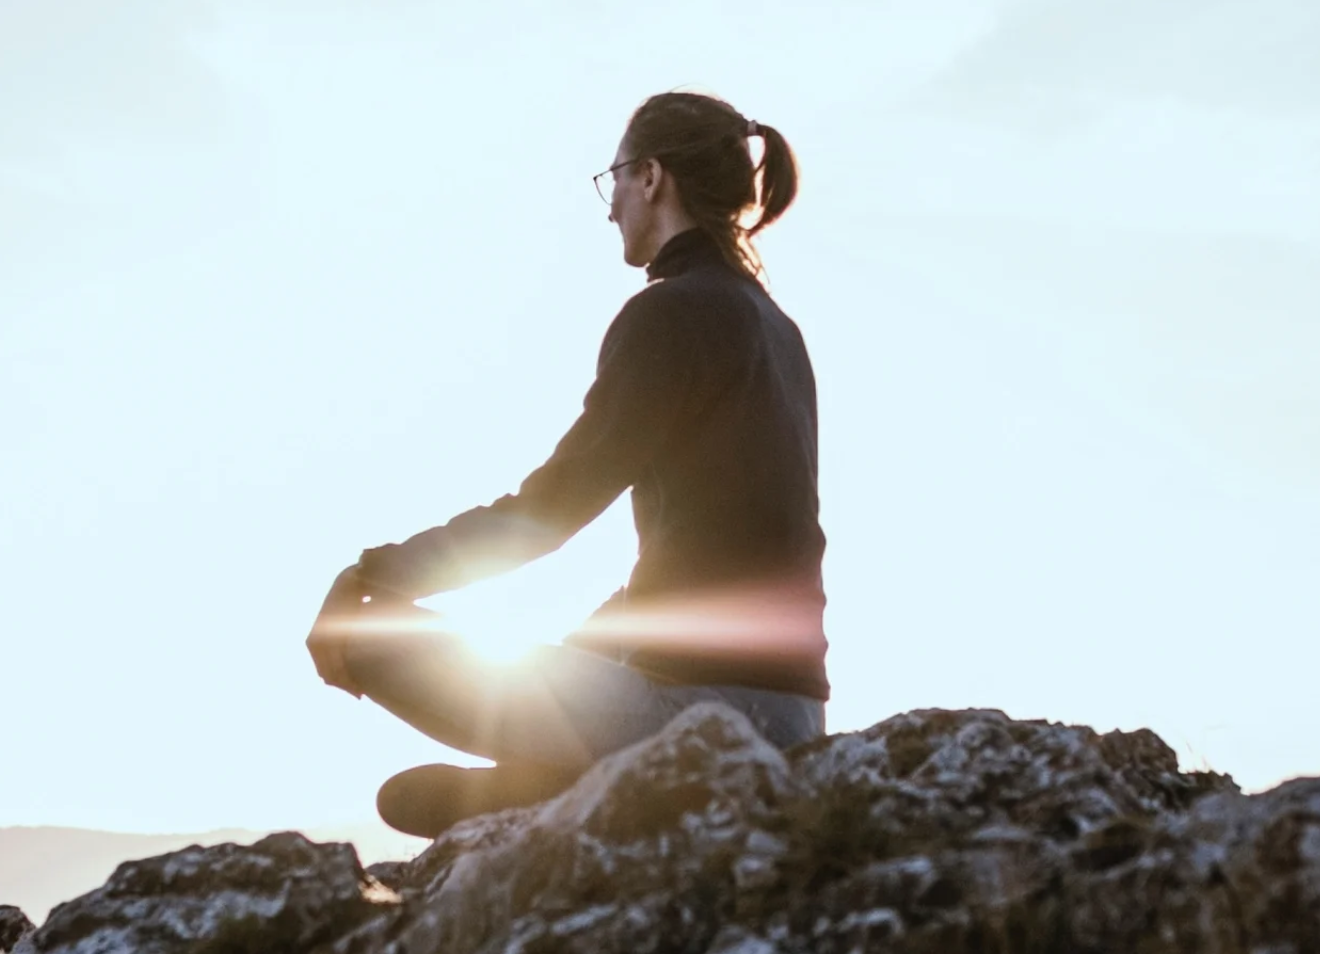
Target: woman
x,y
704,404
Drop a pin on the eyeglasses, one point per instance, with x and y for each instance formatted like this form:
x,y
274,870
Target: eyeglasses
x,y
605,180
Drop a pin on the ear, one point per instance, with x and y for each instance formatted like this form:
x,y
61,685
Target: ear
x,y
652,176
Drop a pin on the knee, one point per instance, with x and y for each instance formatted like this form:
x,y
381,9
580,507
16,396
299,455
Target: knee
x,y
361,659
401,803
392,798
369,655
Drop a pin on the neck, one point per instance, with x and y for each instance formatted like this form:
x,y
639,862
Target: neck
x,y
669,222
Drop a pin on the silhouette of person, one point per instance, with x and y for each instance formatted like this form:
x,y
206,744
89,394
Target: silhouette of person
x,y
704,404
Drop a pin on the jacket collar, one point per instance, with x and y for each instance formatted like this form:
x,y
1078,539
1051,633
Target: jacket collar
x,y
683,252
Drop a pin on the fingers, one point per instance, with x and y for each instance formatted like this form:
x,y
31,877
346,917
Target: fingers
x,y
342,680
328,656
326,642
340,676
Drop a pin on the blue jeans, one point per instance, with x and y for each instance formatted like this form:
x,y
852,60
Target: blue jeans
x,y
560,706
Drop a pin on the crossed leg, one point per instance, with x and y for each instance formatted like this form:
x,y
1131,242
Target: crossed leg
x,y
543,720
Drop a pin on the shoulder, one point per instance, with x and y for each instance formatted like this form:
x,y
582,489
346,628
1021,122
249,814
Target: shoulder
x,y
693,300
669,296
663,309
702,310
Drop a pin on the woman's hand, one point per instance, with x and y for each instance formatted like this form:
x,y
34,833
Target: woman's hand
x,y
333,628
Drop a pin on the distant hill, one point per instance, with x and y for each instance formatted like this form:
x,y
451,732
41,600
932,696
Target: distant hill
x,y
45,866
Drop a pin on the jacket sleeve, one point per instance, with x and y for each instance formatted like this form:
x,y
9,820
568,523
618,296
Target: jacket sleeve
x,y
643,381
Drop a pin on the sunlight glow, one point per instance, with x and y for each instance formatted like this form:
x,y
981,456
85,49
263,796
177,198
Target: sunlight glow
x,y
492,639
490,635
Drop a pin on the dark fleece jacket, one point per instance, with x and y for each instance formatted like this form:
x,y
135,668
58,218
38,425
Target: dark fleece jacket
x,y
704,404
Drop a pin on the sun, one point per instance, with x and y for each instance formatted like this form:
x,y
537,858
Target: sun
x,y
503,618
496,631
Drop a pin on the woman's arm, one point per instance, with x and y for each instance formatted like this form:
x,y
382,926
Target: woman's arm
x,y
643,385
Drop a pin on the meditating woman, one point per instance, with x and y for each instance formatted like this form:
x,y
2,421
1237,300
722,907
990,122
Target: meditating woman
x,y
704,404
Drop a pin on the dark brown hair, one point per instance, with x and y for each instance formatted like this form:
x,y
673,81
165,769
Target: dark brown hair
x,y
702,142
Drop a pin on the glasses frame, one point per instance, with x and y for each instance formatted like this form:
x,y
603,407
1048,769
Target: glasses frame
x,y
595,180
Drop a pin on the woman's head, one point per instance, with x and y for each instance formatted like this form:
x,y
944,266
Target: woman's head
x,y
684,162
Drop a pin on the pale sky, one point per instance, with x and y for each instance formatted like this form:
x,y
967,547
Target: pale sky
x,y
280,281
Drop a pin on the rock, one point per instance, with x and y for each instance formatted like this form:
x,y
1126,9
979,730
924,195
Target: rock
x,y
283,893
1233,873
646,836
933,831
14,925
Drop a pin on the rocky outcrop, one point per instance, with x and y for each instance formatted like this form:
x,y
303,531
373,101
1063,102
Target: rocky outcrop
x,y
14,925
931,832
286,891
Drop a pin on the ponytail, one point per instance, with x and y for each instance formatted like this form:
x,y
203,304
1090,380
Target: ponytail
x,y
779,178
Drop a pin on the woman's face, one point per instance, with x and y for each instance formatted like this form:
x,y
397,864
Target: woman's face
x,y
631,206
